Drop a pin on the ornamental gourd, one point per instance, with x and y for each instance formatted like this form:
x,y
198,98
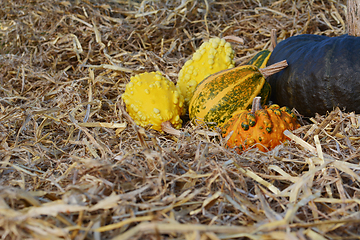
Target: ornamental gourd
x,y
260,60
262,128
323,73
150,98
211,57
218,96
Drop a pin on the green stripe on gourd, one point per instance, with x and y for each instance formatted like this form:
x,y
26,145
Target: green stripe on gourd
x,y
222,94
218,96
260,60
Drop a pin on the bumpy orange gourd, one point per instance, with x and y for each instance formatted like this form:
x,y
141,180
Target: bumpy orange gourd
x,y
263,127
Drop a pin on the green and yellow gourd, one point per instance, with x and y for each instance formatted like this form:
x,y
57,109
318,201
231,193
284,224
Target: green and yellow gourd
x,y
260,60
211,57
218,96
150,98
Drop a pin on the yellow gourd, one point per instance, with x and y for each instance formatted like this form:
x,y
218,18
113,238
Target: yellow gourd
x,y
211,57
150,98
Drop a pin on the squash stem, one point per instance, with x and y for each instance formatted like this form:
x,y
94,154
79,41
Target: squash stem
x,y
234,39
256,104
274,68
168,128
273,39
352,18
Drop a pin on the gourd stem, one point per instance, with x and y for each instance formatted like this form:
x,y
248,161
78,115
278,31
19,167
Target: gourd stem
x,y
234,39
168,128
274,68
353,18
273,39
256,104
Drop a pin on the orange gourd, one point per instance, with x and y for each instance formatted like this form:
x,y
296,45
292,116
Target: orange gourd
x,y
260,127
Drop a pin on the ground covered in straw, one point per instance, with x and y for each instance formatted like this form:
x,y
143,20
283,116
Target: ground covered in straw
x,y
72,166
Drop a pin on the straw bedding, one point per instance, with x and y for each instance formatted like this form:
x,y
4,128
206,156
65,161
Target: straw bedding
x,y
74,166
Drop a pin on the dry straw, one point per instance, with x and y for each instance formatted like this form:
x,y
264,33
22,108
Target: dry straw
x,y
72,166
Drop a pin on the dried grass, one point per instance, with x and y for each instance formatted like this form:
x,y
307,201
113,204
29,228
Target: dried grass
x,y
73,167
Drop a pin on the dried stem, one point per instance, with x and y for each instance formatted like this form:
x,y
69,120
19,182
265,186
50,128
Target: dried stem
x,y
353,17
273,39
168,128
274,68
256,104
234,39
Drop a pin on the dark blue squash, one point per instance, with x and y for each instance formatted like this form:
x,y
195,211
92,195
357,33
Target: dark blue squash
x,y
323,73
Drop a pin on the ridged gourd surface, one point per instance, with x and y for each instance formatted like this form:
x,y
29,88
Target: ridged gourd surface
x,y
221,94
323,73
